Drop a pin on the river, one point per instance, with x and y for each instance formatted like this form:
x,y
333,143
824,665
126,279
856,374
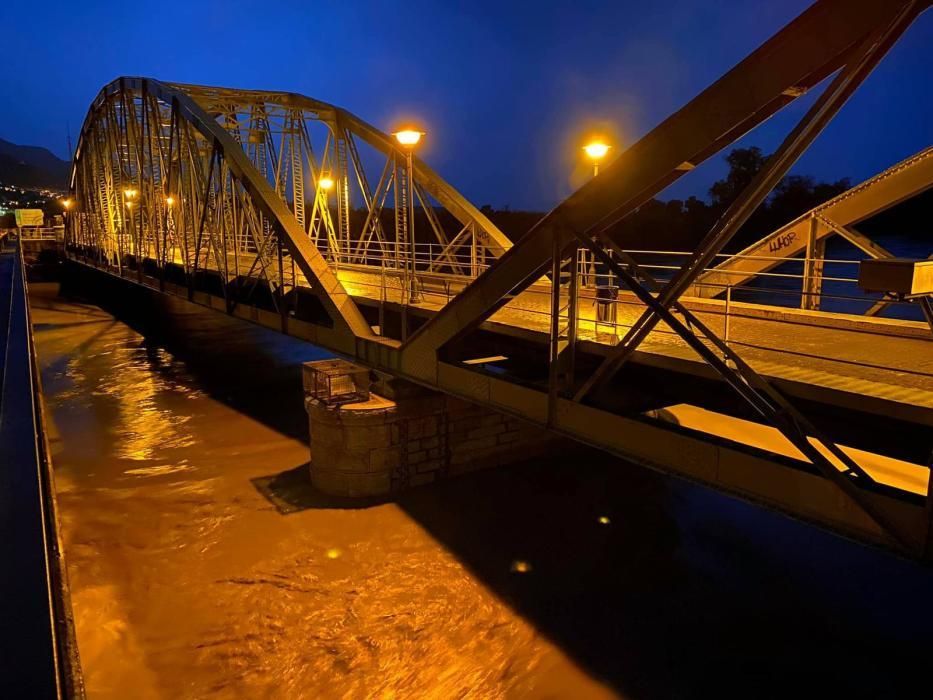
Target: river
x,y
203,566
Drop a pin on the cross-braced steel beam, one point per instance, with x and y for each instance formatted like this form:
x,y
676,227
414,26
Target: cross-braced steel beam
x,y
848,37
870,52
221,194
232,186
814,46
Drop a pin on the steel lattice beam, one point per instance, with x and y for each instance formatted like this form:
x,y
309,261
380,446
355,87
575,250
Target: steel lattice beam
x,y
230,156
812,47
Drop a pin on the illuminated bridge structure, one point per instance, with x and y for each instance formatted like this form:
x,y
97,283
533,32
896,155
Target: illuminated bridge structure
x,y
297,215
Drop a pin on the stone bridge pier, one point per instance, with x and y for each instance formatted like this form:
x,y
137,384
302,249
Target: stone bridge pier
x,y
392,434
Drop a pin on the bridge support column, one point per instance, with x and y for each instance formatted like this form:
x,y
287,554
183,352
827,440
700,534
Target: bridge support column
x,y
404,435
813,268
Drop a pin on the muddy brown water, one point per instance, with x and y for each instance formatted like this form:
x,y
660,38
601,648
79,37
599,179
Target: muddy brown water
x,y
577,577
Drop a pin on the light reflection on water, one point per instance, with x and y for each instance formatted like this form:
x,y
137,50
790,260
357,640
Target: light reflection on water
x,y
186,582
522,582
135,383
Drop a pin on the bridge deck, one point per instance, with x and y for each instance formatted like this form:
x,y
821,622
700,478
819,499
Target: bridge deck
x,y
869,380
880,365
877,365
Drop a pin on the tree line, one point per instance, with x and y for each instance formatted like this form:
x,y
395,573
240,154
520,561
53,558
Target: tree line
x,y
678,224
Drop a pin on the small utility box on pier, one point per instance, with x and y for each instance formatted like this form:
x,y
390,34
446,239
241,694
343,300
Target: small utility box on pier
x,y
335,382
899,277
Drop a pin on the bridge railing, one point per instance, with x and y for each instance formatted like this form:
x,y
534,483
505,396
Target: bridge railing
x,y
786,284
432,274
436,272
762,317
44,233
603,316
37,642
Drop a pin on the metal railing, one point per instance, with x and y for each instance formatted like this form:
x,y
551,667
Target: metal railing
x,y
41,653
744,315
34,233
437,270
432,274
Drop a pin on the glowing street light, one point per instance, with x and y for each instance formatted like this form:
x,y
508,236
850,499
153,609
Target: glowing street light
x,y
325,183
66,205
170,200
596,151
407,139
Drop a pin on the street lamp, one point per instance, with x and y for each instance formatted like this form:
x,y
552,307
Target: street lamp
x,y
66,205
408,137
596,150
325,184
407,140
169,200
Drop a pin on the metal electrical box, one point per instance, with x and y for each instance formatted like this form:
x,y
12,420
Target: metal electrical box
x,y
335,381
901,276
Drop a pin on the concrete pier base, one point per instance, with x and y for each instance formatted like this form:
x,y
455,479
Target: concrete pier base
x,y
404,435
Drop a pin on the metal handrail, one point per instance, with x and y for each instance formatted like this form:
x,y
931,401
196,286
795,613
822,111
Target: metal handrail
x,y
41,233
43,655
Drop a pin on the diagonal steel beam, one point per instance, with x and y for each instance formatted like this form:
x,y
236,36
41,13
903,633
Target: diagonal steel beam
x,y
437,187
336,300
878,193
806,51
871,51
748,376
764,398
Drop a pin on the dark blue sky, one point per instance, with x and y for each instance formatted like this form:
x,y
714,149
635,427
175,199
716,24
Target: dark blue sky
x,y
504,94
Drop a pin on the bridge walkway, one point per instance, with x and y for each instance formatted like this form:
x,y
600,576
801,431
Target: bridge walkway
x,y
874,377
37,647
883,363
876,365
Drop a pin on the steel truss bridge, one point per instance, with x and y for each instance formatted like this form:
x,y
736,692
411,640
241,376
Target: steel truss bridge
x,y
219,196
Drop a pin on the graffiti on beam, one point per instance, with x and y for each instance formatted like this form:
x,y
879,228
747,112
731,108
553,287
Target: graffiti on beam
x,y
782,241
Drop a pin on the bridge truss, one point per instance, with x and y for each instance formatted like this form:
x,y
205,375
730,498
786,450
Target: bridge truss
x,y
228,208
234,189
808,234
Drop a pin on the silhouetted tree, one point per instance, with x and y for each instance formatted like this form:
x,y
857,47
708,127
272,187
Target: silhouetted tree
x,y
744,164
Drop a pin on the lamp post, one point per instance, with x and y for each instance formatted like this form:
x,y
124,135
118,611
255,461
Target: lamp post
x,y
130,195
596,150
324,185
162,246
66,206
408,139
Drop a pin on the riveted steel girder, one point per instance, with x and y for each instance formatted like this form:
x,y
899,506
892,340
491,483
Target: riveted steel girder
x,y
334,297
496,241
812,47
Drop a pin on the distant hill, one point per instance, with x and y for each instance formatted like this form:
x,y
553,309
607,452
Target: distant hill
x,y
32,166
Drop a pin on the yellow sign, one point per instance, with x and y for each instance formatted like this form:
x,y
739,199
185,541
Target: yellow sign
x,y
29,217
